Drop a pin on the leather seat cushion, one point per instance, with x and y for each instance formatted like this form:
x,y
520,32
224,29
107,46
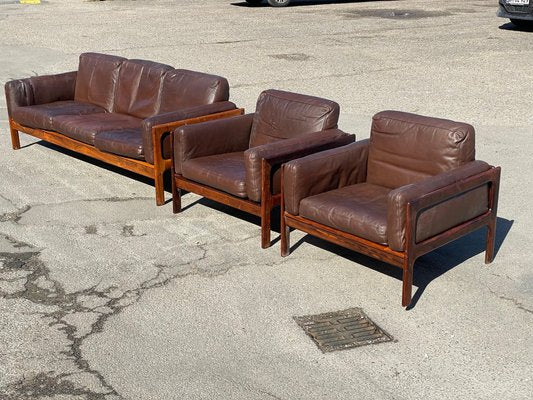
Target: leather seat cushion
x,y
222,171
124,142
41,115
85,127
358,209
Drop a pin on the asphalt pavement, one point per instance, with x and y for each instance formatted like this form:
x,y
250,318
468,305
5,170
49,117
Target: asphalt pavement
x,y
105,296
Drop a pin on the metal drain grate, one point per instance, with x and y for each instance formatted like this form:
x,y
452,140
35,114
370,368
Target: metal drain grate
x,y
342,330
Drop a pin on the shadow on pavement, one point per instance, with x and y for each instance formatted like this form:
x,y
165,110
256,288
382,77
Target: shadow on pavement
x,y
428,267
512,27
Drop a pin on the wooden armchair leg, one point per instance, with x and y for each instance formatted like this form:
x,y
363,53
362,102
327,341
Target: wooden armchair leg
x,y
265,224
15,140
407,281
491,240
159,188
176,197
285,238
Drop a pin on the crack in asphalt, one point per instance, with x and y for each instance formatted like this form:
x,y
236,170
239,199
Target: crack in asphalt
x,y
518,304
14,216
39,288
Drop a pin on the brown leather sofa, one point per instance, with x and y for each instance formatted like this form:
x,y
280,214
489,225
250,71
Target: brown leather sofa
x,y
236,161
412,187
117,110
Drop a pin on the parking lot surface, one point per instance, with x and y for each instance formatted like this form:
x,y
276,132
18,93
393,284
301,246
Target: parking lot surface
x,y
105,296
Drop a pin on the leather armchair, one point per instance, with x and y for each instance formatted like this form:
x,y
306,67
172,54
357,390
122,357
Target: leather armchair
x,y
236,161
412,187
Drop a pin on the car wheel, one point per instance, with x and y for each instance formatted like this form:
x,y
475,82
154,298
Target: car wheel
x,y
521,23
254,2
279,3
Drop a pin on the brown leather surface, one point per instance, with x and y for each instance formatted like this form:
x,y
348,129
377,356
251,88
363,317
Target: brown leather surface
x,y
358,209
40,90
18,94
442,216
221,171
97,79
210,138
295,147
406,148
283,115
322,172
85,127
178,115
139,83
124,142
41,115
183,89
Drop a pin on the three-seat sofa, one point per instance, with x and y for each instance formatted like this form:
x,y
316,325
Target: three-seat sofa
x,y
117,110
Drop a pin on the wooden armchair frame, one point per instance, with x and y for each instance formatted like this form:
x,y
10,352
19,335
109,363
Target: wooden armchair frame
x,y
413,250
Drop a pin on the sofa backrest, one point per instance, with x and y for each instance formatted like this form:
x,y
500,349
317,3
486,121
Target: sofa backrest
x,y
406,148
138,87
283,115
96,79
183,88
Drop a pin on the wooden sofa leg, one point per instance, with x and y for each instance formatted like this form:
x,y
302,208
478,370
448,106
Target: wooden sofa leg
x,y
491,240
265,224
407,281
159,189
15,140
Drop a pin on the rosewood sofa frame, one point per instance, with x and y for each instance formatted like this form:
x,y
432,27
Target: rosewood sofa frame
x,y
413,250
154,171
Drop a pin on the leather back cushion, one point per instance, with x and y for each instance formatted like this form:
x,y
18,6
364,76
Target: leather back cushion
x,y
283,115
406,148
138,89
97,78
182,89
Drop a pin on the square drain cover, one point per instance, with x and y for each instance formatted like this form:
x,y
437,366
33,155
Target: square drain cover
x,y
342,330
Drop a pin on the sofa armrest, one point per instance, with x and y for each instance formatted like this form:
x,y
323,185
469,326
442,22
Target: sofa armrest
x,y
157,129
226,135
40,90
322,172
443,201
276,153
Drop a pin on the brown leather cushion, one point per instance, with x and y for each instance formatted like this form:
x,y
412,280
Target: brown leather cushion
x,y
85,127
97,78
41,116
283,115
124,142
406,148
358,209
182,89
139,83
222,171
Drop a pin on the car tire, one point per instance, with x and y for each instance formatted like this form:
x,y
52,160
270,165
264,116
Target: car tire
x,y
522,23
279,3
254,2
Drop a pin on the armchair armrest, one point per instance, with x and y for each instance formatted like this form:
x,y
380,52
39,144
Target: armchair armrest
x,y
40,90
322,172
226,135
439,203
276,153
156,129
